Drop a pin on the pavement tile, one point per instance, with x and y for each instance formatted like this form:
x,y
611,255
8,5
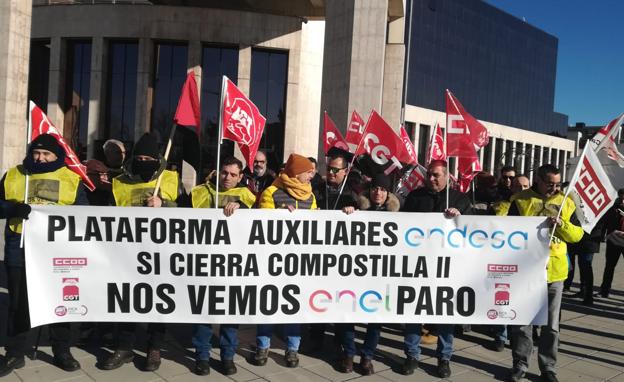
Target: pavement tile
x,y
11,378
295,375
190,377
419,375
593,369
566,375
618,378
46,373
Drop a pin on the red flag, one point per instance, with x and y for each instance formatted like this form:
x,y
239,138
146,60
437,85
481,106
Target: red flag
x,y
416,179
188,111
408,146
40,124
383,144
467,169
464,134
436,145
355,130
241,121
332,136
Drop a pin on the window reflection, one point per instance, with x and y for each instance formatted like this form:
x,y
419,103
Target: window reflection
x,y
78,77
38,73
122,84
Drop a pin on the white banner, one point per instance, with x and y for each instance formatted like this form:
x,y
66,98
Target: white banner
x,y
273,266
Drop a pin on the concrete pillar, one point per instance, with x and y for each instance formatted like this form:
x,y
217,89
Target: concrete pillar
x,y
512,153
522,158
503,153
492,158
565,163
15,16
481,156
56,82
354,59
416,138
145,90
97,95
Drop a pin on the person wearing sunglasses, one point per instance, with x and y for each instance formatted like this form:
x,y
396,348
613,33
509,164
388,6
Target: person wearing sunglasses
x,y
507,175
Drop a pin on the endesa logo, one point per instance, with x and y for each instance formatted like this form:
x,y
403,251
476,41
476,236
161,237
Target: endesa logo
x,y
464,238
501,296
69,262
70,289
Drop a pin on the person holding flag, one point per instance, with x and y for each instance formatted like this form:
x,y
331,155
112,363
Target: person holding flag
x,y
545,199
46,179
135,187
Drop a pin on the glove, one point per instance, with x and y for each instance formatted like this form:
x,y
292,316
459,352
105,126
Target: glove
x,y
21,210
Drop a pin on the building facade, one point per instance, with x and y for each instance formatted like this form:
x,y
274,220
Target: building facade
x,y
106,69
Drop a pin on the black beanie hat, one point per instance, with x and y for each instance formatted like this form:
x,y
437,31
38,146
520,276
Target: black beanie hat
x,y
47,142
147,145
381,180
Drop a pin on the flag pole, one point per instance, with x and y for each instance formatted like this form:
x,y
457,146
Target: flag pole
x,y
166,157
448,161
220,140
26,190
574,179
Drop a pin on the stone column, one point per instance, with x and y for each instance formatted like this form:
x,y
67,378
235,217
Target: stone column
x,y
56,82
144,87
97,93
492,158
15,19
522,158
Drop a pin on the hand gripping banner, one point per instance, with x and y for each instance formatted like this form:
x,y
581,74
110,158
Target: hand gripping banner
x,y
273,266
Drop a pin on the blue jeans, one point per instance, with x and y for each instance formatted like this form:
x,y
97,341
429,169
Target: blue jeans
x,y
445,340
499,332
370,340
228,341
292,332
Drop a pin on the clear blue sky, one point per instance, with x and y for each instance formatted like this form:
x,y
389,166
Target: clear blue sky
x,y
590,61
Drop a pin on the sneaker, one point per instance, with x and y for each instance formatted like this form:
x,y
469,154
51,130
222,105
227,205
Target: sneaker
x,y
202,367
152,362
260,358
549,376
117,359
291,358
516,375
444,369
66,361
409,365
229,368
346,365
366,366
10,364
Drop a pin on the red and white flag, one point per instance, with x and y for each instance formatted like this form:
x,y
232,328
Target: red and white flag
x,y
408,146
605,139
355,130
383,144
40,124
332,136
591,190
464,134
467,168
241,121
415,179
436,145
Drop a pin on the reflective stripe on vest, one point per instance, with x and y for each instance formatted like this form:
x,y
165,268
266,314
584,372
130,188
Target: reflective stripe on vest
x,y
128,193
55,187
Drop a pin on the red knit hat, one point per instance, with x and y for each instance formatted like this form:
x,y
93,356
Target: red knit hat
x,y
297,164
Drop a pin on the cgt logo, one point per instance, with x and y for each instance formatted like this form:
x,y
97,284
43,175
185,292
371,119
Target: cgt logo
x,y
70,289
501,296
69,262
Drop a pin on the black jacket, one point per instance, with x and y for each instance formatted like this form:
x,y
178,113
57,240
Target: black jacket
x,y
425,200
327,195
257,184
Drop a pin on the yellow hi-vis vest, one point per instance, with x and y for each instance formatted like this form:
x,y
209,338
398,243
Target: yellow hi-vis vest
x,y
55,187
204,195
131,193
530,203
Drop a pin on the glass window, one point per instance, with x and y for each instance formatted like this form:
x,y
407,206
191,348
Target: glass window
x,y
121,89
217,61
78,77
39,73
269,76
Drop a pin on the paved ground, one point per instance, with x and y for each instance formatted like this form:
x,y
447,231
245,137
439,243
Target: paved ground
x,y
592,349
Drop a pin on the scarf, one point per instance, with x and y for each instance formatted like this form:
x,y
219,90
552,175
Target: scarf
x,y
294,188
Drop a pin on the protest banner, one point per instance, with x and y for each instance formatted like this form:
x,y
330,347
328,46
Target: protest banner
x,y
273,266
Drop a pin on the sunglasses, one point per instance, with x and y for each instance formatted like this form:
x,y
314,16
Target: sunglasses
x,y
335,170
508,177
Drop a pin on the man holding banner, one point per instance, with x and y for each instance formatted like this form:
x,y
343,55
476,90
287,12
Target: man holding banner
x,y
545,199
232,196
431,198
48,181
135,187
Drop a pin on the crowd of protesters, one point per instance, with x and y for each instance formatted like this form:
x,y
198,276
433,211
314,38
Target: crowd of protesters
x,y
348,185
